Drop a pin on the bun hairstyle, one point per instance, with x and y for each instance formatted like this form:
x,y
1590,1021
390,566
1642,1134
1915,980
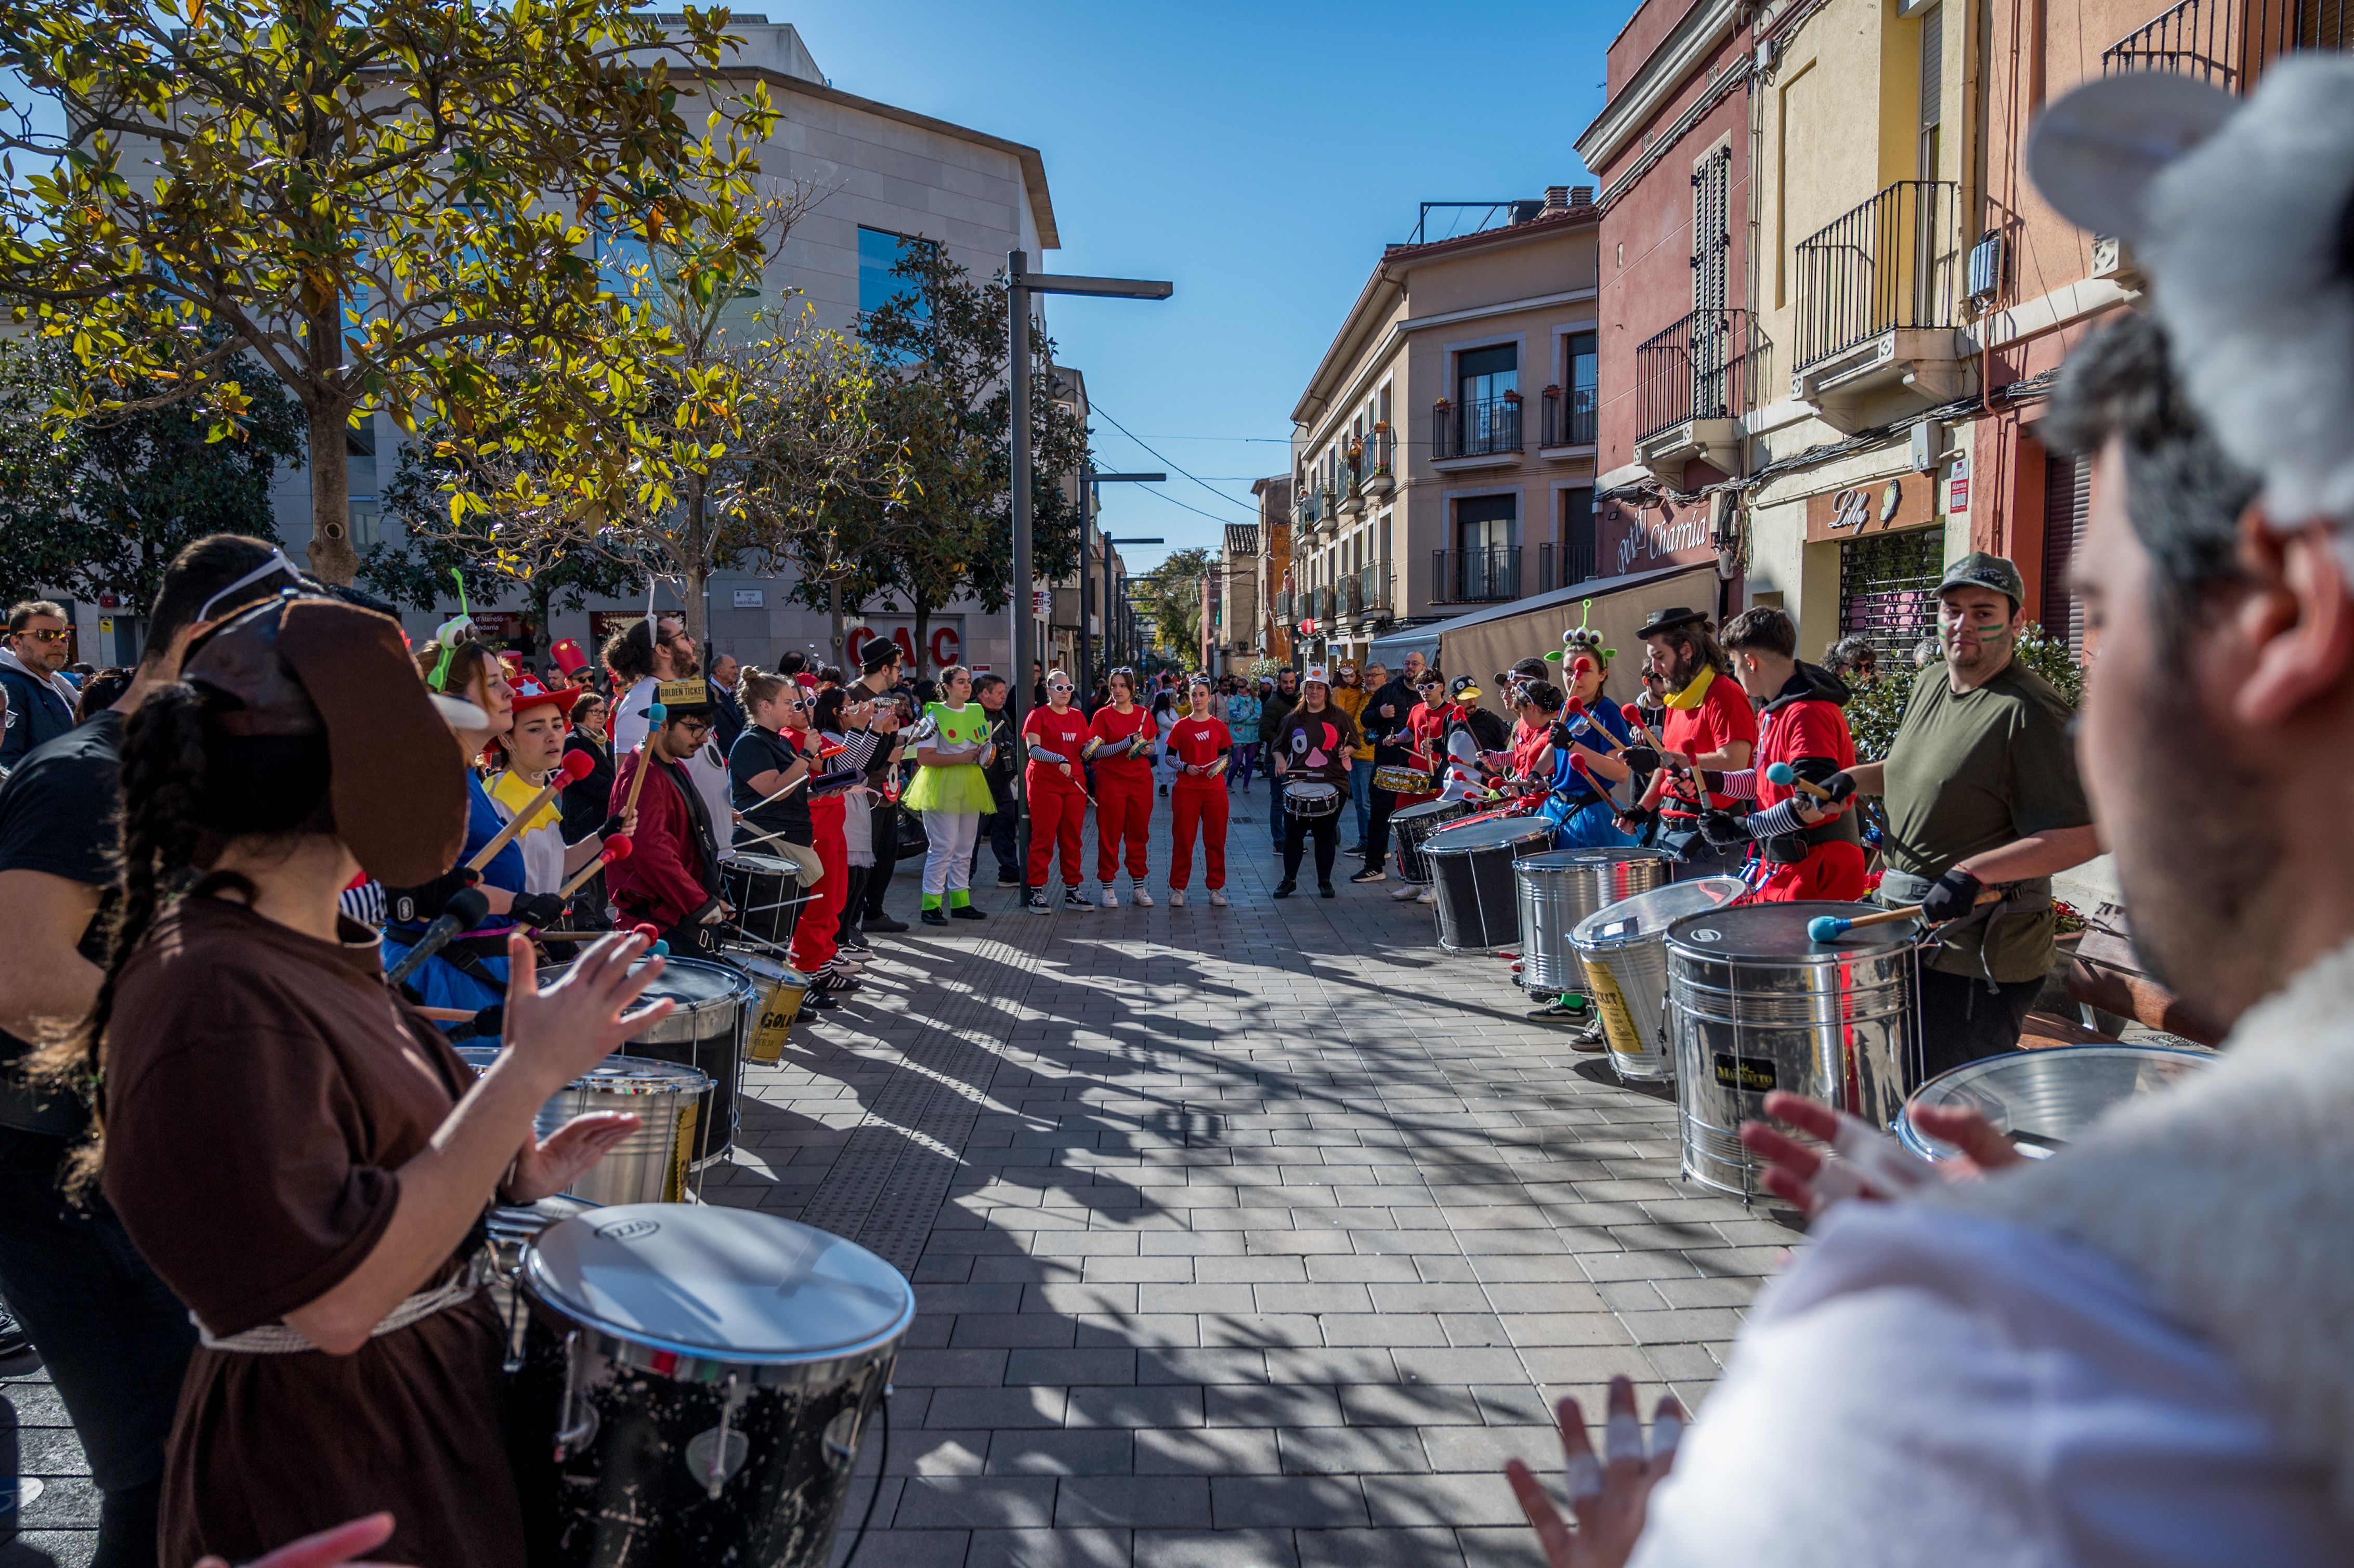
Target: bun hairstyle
x,y
754,684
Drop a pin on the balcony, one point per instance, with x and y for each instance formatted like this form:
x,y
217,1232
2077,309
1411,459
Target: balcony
x,y
1482,431
1380,460
2229,42
1568,418
1487,573
1283,610
1364,594
1876,297
1561,566
1692,384
1309,510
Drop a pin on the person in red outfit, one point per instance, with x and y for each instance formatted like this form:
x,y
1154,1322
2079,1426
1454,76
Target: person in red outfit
x,y
1710,725
1201,745
1123,787
1056,791
671,875
817,935
1803,852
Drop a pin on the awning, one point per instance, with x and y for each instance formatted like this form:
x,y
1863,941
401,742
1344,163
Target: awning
x,y
1487,641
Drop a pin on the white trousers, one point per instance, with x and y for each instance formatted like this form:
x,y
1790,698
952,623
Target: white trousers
x,y
947,862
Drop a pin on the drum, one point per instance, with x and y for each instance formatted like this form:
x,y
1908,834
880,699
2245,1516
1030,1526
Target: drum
x,y
1403,780
512,1228
1308,801
2043,1099
780,988
766,890
707,1031
1622,948
695,1386
1561,887
1471,870
1755,1005
651,1165
1414,824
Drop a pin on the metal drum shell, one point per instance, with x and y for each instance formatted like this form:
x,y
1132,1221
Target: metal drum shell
x,y
1311,800
707,1029
780,990
2048,1097
1754,1006
670,1101
1627,969
1557,889
1479,898
765,892
1411,826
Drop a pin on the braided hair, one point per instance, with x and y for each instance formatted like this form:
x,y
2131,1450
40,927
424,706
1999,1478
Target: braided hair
x,y
187,790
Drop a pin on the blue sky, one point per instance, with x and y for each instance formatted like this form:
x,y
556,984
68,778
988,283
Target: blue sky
x,y
1257,156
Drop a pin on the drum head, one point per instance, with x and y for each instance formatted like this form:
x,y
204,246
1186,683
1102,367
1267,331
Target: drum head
x,y
2046,1099
1466,837
730,1285
765,864
1422,808
1777,933
642,1076
1578,859
692,983
478,1057
1649,914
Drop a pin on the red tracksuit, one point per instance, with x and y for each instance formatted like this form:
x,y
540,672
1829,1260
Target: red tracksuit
x,y
1790,729
1123,792
820,922
1196,802
1057,805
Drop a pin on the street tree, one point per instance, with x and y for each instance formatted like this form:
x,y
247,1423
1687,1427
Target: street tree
x,y
377,201
948,403
100,506
1172,594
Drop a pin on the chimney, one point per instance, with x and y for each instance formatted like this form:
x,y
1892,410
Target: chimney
x,y
1581,195
1556,198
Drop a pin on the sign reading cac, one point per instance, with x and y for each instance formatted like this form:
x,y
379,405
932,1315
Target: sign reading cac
x,y
944,641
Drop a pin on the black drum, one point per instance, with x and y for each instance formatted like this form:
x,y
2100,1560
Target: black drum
x,y
766,890
696,1385
1413,825
1471,871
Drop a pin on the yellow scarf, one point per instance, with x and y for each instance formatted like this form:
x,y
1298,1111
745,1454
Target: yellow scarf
x,y
1690,697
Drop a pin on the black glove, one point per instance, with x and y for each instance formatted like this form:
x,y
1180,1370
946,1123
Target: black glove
x,y
535,910
610,827
423,904
1837,788
1641,758
1713,780
1722,829
1559,734
488,1023
1956,895
1635,818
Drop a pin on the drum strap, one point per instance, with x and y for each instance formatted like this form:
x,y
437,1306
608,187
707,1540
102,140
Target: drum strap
x,y
284,1338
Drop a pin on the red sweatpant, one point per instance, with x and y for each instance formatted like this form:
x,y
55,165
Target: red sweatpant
x,y
1833,871
821,917
1123,812
1054,818
1192,801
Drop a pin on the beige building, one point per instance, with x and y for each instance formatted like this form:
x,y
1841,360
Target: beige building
x,y
1443,450
1270,579
1235,628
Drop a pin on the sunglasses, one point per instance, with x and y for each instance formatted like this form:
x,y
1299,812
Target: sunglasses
x,y
45,636
1061,686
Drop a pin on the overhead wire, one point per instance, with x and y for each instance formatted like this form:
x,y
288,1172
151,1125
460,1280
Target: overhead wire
x,y
1095,407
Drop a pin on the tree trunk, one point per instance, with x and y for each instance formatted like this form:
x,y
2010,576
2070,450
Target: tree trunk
x,y
332,559
841,660
698,569
923,637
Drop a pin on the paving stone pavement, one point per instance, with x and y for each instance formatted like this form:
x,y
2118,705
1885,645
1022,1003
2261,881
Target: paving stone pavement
x,y
1254,1237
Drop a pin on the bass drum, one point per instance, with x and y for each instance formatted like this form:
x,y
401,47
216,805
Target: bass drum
x,y
1414,823
695,1386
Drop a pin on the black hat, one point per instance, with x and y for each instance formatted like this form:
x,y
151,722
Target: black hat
x,y
1982,568
879,653
1670,617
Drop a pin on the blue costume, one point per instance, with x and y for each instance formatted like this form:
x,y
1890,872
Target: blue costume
x,y
1581,814
440,980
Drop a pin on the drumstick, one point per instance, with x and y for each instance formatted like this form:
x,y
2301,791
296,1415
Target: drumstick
x,y
1831,928
451,1014
617,847
575,767
1782,773
1576,709
1634,715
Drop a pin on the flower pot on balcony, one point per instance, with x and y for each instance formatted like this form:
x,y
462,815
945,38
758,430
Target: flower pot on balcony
x,y
1354,506
1381,484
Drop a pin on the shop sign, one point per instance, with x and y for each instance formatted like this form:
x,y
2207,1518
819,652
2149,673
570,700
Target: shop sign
x,y
1629,538
943,639
1957,486
1882,506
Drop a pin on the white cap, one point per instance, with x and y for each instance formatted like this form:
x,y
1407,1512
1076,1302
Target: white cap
x,y
1316,673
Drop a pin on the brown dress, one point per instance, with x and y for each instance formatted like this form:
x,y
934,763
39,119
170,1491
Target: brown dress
x,y
262,1090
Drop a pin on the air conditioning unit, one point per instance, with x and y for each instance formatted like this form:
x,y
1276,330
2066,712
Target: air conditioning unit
x,y
1986,267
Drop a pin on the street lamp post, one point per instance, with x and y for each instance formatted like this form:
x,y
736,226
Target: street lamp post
x,y
1088,480
1109,600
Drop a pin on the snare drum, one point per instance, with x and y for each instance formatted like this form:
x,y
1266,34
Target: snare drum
x,y
705,1030
765,891
696,1385
2042,1100
1412,825
1405,780
1471,868
780,988
1309,801
651,1165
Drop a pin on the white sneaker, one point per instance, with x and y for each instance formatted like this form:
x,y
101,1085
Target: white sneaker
x,y
1138,897
1429,895
1176,899
1217,898
1110,899
1409,890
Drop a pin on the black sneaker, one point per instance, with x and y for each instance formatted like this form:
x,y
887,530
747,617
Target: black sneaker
x,y
1355,849
1324,890
1037,903
835,984
1009,879
855,940
882,923
1286,888
1371,873
818,1000
933,916
1074,899
965,912
13,1337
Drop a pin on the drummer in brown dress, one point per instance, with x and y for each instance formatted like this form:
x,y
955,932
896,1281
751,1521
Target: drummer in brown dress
x,y
297,1151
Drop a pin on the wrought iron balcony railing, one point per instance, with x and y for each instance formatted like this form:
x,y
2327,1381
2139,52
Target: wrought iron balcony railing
x,y
1481,428
1704,367
2230,42
1888,266
1569,416
1483,575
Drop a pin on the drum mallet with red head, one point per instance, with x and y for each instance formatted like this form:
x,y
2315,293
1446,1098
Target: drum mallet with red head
x,y
617,847
1831,927
1576,709
1634,715
1782,773
574,769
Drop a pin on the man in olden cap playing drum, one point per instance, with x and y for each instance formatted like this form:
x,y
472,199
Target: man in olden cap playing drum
x,y
2134,1351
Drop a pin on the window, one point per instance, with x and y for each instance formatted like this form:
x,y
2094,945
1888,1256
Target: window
x,y
1486,374
2067,507
1578,352
1577,535
1488,402
880,251
1487,564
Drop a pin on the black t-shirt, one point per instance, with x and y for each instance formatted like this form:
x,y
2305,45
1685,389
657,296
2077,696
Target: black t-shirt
x,y
758,751
57,815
